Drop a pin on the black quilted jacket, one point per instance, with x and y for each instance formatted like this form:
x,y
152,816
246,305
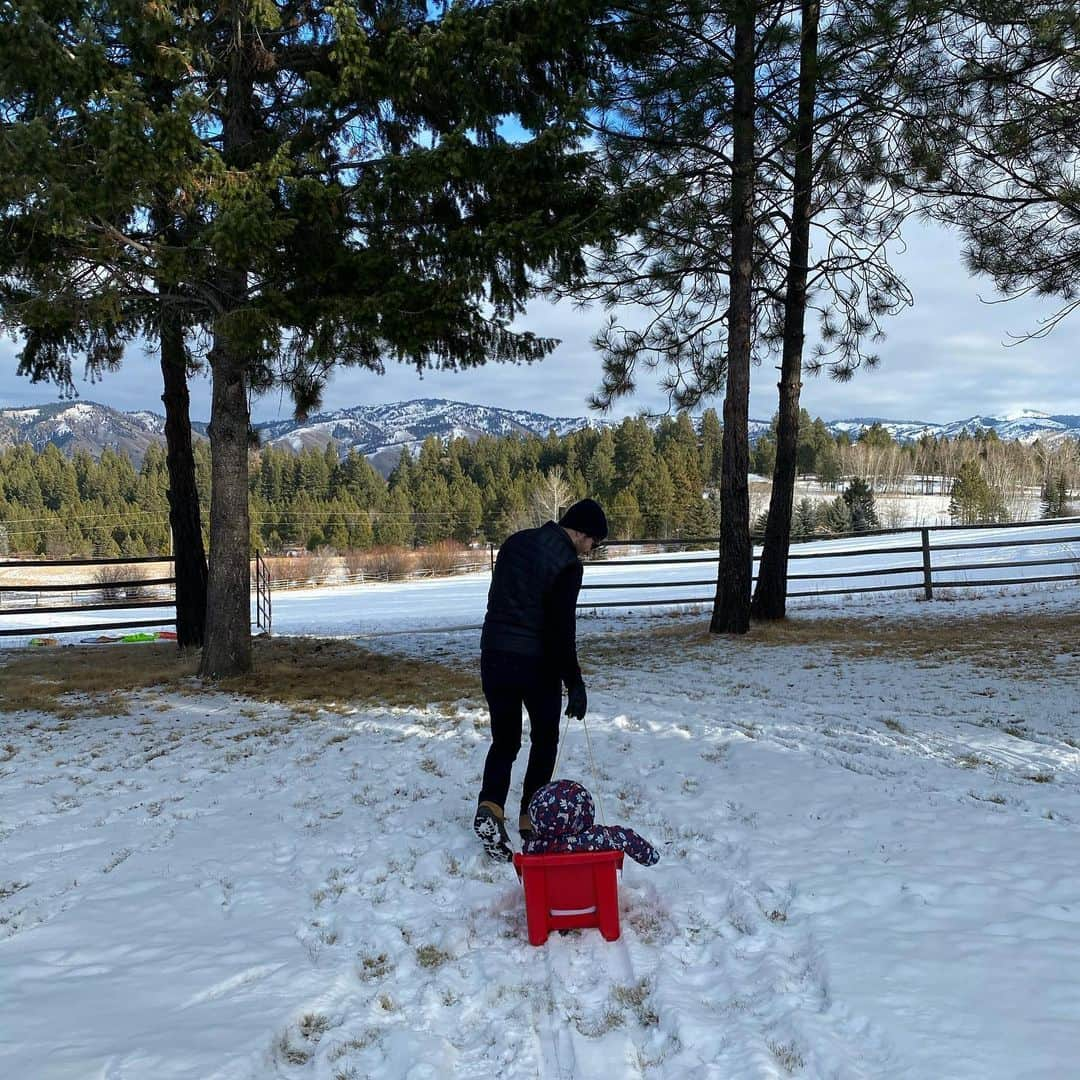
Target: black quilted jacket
x,y
532,600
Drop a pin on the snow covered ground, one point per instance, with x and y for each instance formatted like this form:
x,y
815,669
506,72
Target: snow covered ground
x,y
869,824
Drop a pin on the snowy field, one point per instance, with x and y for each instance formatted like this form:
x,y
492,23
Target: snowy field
x,y
869,824
681,580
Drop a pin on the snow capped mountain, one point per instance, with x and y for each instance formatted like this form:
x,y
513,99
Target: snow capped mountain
x,y
83,425
408,421
901,430
1021,425
381,431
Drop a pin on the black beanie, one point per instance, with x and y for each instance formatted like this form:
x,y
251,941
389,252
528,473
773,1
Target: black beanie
x,y
587,517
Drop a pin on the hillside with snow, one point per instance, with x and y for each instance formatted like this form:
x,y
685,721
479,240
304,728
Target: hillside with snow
x,y
381,432
1023,425
84,425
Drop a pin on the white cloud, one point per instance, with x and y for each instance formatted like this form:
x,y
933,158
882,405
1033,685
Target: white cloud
x,y
946,357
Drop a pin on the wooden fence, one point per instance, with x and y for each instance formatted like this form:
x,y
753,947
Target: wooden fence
x,y
922,565
930,563
114,595
104,593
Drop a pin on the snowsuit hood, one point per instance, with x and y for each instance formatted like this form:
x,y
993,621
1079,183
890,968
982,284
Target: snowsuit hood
x,y
565,809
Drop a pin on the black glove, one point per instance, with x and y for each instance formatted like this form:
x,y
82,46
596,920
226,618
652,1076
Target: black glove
x,y
577,702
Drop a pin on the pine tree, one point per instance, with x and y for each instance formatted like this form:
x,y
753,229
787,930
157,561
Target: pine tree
x,y
92,95
338,189
1055,496
827,461
633,448
656,499
859,497
877,436
748,132
973,501
624,516
467,511
313,473
712,437
360,480
600,472
432,510
361,533
994,150
763,458
393,525
836,517
805,521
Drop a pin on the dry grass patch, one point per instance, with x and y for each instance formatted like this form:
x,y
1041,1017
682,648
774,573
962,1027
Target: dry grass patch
x,y
45,680
1022,643
652,647
304,673
334,673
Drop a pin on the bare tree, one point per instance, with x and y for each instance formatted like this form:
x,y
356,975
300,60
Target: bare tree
x,y
550,496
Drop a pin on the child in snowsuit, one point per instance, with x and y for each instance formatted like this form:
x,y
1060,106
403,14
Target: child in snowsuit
x,y
562,817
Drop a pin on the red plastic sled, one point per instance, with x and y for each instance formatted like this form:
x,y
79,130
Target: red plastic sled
x,y
570,890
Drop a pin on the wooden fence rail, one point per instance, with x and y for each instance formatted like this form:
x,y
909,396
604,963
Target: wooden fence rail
x,y
928,573
103,587
928,568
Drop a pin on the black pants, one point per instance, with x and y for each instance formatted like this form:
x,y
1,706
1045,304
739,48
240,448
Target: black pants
x,y
511,681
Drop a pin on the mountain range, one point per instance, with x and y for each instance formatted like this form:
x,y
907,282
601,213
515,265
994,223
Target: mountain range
x,y
381,431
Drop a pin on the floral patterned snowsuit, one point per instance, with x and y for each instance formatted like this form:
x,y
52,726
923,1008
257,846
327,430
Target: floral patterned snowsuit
x,y
562,816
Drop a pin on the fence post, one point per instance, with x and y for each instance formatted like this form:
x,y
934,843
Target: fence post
x,y
263,616
928,581
491,551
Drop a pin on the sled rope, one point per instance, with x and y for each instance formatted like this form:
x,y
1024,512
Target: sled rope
x,y
558,752
596,779
592,765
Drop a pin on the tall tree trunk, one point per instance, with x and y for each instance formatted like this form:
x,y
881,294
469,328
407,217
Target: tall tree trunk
x,y
770,595
731,608
227,649
184,518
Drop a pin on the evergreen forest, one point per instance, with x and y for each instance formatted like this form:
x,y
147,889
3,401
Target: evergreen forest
x,y
655,479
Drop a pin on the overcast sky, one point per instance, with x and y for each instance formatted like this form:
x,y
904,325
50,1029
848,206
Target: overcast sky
x,y
945,358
